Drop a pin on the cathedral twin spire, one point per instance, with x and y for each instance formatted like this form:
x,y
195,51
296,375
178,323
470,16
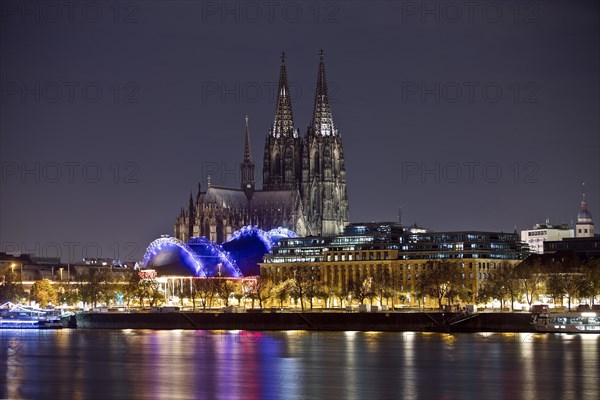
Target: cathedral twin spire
x,y
313,166
322,121
304,179
284,118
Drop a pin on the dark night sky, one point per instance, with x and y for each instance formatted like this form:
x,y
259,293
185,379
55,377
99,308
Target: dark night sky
x,y
186,73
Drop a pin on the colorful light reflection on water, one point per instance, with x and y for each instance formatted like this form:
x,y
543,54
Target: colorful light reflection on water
x,y
296,365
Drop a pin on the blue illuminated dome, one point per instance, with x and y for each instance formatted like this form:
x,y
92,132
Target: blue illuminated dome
x,y
237,257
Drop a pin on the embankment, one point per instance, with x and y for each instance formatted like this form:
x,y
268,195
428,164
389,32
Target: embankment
x,y
326,321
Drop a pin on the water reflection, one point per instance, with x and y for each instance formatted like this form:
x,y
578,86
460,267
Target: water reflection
x,y
84,364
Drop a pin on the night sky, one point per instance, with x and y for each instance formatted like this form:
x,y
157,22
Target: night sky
x,y
482,117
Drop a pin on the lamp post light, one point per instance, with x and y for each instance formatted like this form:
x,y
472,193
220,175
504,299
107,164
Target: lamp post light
x,y
12,269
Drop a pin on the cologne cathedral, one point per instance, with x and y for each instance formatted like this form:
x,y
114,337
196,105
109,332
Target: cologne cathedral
x,y
304,179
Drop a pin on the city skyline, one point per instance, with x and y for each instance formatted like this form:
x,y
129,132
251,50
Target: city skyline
x,y
464,126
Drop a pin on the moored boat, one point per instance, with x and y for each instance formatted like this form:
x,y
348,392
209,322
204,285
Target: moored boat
x,y
16,316
570,322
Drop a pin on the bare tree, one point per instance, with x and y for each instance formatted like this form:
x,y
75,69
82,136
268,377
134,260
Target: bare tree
x,y
382,285
592,273
283,291
261,290
225,288
95,285
440,280
532,279
567,284
494,287
205,290
149,288
361,290
10,289
306,284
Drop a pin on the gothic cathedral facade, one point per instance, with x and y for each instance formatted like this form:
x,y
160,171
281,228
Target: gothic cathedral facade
x,y
304,179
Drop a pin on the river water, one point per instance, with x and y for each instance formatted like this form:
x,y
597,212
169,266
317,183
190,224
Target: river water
x,y
145,364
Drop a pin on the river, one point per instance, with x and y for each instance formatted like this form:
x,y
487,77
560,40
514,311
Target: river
x,y
145,364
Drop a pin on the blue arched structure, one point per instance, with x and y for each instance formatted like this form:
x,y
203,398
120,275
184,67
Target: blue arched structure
x,y
276,234
249,244
216,260
237,257
169,252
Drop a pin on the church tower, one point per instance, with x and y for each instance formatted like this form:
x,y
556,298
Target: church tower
x,y
191,217
282,163
247,167
585,225
323,188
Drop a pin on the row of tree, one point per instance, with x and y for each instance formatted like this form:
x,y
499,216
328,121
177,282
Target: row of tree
x,y
527,281
445,281
440,281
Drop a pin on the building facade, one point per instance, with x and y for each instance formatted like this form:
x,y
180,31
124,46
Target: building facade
x,y
583,247
367,252
304,179
541,233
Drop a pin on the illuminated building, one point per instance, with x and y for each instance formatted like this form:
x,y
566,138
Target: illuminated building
x,y
585,247
541,233
304,179
366,250
203,258
176,265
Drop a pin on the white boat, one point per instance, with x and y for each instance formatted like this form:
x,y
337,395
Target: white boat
x,y
570,322
16,316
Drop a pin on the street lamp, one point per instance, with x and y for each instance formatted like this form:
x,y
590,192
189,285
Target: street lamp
x,y
12,269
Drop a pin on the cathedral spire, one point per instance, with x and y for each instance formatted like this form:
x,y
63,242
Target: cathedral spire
x,y
247,166
247,156
322,121
284,118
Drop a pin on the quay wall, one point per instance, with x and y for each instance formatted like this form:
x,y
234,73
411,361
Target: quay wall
x,y
317,321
